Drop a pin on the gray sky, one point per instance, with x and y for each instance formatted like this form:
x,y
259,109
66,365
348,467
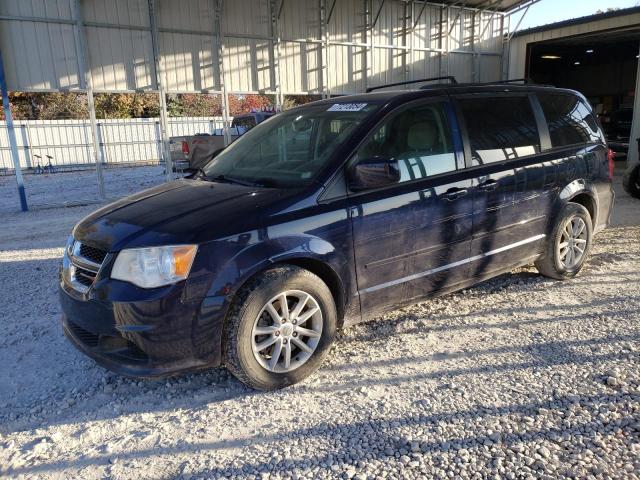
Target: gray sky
x,y
551,11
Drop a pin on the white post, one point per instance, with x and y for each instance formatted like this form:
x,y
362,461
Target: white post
x,y
275,12
219,40
85,75
324,48
365,36
164,125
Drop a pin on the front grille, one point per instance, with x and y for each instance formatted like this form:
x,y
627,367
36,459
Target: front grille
x,y
84,277
86,262
88,338
91,253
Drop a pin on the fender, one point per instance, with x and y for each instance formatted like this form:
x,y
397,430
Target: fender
x,y
572,189
576,188
259,256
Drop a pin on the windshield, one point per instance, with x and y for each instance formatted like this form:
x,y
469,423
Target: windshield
x,y
290,148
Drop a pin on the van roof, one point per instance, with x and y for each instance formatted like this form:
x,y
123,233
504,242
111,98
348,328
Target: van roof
x,y
382,96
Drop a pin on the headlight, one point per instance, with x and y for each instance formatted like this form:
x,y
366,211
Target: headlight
x,y
155,266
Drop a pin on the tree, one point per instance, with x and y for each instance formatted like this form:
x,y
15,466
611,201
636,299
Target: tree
x,y
193,105
291,101
72,105
127,105
239,104
48,106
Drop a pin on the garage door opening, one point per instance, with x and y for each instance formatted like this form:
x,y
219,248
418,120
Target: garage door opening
x,y
603,67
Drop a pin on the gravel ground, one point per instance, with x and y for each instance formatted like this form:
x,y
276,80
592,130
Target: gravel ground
x,y
519,377
80,187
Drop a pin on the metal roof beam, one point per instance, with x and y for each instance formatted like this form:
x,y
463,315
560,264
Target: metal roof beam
x,y
375,20
333,5
513,32
453,24
280,9
415,24
522,6
484,30
457,4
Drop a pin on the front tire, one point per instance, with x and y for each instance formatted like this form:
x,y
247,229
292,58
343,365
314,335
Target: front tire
x,y
279,328
568,245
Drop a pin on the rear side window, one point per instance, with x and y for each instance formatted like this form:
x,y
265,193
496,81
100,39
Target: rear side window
x,y
500,128
570,121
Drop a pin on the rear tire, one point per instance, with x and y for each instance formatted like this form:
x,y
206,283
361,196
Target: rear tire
x,y
631,181
568,246
267,347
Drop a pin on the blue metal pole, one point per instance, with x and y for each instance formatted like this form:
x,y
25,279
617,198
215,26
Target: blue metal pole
x,y
12,137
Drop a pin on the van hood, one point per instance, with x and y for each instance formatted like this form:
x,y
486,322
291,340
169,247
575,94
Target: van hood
x,y
183,211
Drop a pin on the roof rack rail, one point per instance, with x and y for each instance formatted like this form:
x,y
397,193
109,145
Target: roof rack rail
x,y
525,81
515,80
452,79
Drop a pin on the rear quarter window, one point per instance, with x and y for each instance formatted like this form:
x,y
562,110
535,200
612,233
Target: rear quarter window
x,y
500,128
569,120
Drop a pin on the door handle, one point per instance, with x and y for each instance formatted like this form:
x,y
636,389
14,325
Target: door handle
x,y
488,185
455,193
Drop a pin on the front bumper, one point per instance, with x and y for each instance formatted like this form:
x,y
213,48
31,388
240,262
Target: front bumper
x,y
156,337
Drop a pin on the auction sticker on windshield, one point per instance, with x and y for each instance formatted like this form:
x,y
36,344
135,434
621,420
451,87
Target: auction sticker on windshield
x,y
346,107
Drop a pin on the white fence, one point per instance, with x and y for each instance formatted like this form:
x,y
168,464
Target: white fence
x,y
68,142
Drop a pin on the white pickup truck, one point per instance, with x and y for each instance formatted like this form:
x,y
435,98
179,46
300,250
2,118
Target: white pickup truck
x,y
195,151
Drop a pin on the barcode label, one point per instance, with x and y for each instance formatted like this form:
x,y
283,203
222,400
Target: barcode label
x,y
346,107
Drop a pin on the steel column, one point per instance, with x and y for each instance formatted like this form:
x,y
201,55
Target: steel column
x,y
505,49
12,138
219,42
407,41
324,27
370,48
474,59
440,41
80,37
365,37
448,47
275,42
164,125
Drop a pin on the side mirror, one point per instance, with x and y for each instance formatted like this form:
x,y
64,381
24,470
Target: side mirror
x,y
374,172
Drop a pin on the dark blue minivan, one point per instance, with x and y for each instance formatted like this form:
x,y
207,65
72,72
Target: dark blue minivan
x,y
330,214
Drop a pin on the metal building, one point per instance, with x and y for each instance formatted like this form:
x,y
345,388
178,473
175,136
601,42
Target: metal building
x,y
327,47
596,55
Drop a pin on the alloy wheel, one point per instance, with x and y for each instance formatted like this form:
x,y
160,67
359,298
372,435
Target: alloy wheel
x,y
287,331
572,243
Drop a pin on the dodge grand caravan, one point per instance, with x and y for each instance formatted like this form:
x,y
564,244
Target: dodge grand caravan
x,y
329,214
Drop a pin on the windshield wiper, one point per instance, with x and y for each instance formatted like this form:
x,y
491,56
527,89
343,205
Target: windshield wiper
x,y
200,173
227,179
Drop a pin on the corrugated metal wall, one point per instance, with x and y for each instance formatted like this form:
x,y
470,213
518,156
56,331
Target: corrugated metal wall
x,y
408,40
